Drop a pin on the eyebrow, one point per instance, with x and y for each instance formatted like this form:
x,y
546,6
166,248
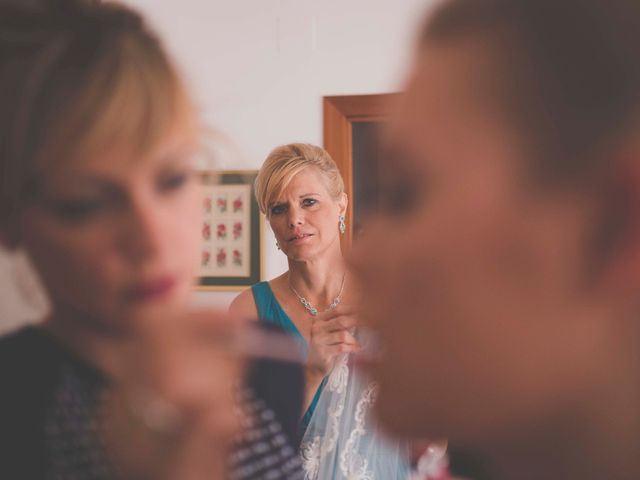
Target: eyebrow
x,y
181,154
274,204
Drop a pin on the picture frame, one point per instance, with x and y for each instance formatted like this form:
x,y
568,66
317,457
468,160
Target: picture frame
x,y
232,231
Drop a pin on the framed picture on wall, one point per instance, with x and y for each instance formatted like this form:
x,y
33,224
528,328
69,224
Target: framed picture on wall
x,y
232,231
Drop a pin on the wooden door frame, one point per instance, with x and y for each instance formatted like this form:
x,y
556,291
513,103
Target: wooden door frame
x,y
339,115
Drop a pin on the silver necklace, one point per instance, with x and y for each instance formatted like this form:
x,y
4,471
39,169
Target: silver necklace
x,y
313,310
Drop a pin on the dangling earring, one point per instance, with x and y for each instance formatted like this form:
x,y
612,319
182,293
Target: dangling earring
x,y
342,226
278,246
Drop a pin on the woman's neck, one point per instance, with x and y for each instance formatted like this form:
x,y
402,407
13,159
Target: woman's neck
x,y
318,280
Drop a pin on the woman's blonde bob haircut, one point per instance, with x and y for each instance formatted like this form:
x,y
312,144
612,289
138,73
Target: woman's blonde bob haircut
x,y
285,162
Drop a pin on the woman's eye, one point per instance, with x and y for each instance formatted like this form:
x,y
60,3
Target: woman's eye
x,y
307,202
173,182
278,209
77,211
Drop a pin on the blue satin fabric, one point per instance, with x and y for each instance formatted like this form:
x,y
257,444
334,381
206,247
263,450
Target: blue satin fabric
x,y
270,311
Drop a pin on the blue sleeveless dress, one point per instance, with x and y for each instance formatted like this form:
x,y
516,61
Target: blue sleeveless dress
x,y
270,311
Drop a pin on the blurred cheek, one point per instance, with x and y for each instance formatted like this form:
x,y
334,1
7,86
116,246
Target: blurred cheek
x,y
388,262
389,257
415,303
184,229
463,305
77,268
89,266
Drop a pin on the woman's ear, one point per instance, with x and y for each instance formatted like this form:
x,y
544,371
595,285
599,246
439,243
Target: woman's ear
x,y
343,202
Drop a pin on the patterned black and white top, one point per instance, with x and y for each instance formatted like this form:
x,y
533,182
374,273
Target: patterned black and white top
x,y
49,428
263,449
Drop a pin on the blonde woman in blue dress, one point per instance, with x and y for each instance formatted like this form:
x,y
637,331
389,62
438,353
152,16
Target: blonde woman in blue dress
x,y
301,193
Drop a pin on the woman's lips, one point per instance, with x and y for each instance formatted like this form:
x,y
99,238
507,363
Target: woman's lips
x,y
300,238
152,290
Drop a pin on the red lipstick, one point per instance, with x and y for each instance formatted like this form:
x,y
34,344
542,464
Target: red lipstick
x,y
153,289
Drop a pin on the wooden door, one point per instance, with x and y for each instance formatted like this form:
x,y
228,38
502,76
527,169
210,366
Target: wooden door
x,y
351,126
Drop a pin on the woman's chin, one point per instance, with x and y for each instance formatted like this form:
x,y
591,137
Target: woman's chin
x,y
178,300
299,254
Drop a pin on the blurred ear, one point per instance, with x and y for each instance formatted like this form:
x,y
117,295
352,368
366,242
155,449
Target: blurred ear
x,y
618,241
9,238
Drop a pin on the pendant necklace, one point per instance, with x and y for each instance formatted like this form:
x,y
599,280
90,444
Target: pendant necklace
x,y
313,310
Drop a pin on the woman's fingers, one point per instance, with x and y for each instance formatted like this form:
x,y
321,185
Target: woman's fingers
x,y
338,337
333,350
335,328
340,312
341,322
324,337
338,323
332,334
179,389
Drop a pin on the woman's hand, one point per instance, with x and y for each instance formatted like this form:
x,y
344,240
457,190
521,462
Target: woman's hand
x,y
171,412
332,334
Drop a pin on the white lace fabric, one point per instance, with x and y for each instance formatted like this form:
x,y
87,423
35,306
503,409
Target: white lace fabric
x,y
343,441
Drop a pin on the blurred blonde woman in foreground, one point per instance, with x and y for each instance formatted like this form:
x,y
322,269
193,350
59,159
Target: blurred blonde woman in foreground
x,y
123,379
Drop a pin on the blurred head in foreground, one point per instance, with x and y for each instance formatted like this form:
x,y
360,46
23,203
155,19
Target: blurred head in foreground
x,y
506,278
96,142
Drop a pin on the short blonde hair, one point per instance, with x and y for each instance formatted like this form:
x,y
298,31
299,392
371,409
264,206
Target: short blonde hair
x,y
285,162
74,84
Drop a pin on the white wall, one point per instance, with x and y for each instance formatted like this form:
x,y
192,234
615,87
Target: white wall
x,y
259,70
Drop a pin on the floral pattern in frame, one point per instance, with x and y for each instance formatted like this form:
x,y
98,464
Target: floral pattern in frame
x,y
231,231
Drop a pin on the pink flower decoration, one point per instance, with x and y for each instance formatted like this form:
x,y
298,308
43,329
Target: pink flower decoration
x,y
221,257
206,258
237,257
237,230
237,204
206,231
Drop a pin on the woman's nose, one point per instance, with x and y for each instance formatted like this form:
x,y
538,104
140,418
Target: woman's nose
x,y
143,236
296,218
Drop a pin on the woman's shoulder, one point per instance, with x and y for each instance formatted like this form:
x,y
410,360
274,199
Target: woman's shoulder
x,y
244,305
249,302
29,366
27,355
22,345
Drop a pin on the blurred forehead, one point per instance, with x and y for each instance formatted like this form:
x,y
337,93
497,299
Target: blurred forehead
x,y
460,79
121,163
453,90
453,124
